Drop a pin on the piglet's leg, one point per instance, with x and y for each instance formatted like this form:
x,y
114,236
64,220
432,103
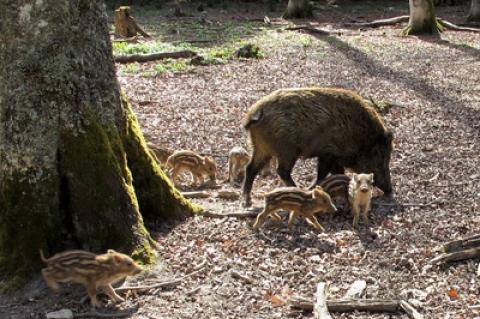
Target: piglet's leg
x,y
291,219
108,289
92,294
314,222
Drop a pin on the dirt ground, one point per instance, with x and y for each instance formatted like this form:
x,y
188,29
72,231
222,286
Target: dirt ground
x,y
235,272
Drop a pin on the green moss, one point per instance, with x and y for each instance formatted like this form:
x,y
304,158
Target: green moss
x,y
28,220
157,196
100,198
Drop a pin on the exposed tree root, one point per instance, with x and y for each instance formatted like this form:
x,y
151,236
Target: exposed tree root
x,y
401,19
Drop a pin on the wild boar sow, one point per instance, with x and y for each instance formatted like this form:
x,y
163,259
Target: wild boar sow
x,y
334,125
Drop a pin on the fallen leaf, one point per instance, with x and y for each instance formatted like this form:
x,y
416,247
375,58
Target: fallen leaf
x,y
453,293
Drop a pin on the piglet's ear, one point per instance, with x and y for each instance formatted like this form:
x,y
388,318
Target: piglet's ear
x,y
117,259
111,251
355,177
370,177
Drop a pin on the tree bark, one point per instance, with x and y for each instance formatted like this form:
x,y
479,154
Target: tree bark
x,y
474,14
422,18
298,9
75,171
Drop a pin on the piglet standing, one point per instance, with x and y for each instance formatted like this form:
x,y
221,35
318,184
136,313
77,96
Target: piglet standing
x,y
199,166
360,192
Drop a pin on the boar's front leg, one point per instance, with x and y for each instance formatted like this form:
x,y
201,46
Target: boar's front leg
x,y
325,165
257,162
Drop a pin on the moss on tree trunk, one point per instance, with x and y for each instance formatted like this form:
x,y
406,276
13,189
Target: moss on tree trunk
x,y
298,9
422,19
75,171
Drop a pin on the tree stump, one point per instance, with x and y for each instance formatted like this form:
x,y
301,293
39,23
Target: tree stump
x,y
125,24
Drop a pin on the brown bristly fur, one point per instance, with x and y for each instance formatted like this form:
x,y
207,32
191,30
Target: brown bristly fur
x,y
334,125
199,166
91,270
336,186
297,202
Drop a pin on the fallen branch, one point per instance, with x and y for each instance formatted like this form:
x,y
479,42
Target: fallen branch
x,y
462,244
196,194
371,305
94,314
456,256
320,309
312,30
129,58
244,214
411,312
130,39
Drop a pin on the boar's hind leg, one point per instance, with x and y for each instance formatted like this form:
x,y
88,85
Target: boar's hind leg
x,y
326,165
257,162
284,170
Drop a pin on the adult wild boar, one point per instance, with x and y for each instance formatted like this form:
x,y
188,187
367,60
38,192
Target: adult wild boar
x,y
334,125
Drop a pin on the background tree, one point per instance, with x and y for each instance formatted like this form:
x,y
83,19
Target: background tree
x,y
298,9
422,18
474,14
74,167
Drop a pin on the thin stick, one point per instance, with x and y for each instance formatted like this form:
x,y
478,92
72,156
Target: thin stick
x,y
172,282
320,309
240,276
411,312
247,213
456,256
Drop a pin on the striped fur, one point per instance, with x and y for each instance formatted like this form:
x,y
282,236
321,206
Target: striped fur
x,y
297,202
92,271
198,166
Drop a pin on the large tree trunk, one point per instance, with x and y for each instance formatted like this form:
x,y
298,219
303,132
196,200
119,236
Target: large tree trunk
x,y
74,167
422,18
474,14
298,9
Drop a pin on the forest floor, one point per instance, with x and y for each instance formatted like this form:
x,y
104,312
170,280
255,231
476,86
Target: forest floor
x,y
240,273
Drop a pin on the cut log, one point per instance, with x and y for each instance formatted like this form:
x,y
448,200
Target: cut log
x,y
456,256
370,305
411,312
320,309
356,290
129,58
462,244
125,24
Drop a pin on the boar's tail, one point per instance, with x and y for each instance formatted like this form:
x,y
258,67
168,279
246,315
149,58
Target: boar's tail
x,y
252,118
